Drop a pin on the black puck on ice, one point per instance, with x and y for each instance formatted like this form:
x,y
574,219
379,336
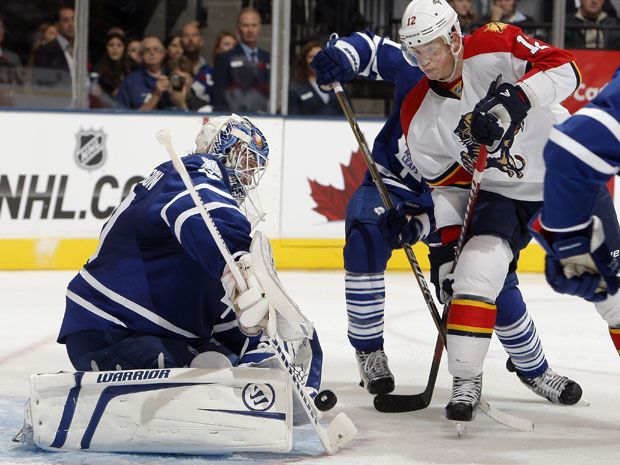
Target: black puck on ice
x,y
325,400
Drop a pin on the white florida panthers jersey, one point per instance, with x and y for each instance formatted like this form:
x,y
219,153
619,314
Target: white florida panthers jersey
x,y
436,121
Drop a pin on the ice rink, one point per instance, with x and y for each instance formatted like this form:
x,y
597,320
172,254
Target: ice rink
x,y
574,337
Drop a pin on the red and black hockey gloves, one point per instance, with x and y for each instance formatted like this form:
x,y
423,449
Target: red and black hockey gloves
x,y
505,104
407,222
578,262
336,62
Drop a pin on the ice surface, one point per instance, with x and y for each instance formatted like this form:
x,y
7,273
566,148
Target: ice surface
x,y
574,336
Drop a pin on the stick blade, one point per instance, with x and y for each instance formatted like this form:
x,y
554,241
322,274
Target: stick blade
x,y
397,403
516,423
339,433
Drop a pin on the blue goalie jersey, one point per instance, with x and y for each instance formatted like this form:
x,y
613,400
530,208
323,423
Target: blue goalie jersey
x,y
157,268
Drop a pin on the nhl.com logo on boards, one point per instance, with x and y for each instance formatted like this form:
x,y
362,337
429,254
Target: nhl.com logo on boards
x,y
55,191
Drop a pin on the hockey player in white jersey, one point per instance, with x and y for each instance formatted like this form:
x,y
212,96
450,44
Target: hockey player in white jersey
x,y
366,252
582,239
157,294
445,118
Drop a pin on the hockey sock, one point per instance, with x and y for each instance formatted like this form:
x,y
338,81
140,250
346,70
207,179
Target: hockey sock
x,y
517,333
615,338
365,297
470,326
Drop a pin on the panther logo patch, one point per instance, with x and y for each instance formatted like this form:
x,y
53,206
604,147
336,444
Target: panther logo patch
x,y
512,165
496,27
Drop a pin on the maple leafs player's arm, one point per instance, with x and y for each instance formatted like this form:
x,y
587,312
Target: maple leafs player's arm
x,y
361,54
182,217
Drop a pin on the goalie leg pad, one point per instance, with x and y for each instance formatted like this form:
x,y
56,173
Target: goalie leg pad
x,y
177,410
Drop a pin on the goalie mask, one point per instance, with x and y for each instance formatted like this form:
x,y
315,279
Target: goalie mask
x,y
423,22
243,150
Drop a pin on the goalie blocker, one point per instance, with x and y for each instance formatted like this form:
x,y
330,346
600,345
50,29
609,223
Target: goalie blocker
x,y
173,410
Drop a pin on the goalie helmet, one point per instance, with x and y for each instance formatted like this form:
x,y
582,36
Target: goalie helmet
x,y
424,21
241,147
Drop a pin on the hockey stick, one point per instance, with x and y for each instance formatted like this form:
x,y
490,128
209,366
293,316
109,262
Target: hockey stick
x,y
341,429
387,201
410,402
393,402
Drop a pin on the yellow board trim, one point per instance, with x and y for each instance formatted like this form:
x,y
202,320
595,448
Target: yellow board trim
x,y
310,254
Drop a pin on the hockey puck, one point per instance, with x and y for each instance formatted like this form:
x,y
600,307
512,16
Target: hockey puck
x,y
325,400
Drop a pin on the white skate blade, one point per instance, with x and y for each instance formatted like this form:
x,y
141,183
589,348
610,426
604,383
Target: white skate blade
x,y
338,433
461,427
516,423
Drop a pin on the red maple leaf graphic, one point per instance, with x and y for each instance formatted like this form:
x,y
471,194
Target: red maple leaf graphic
x,y
331,202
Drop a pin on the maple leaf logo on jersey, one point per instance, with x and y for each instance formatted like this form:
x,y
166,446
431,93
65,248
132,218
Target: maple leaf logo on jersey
x,y
496,27
331,202
506,163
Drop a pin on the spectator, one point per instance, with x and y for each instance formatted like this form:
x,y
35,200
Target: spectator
x,y
134,53
45,33
192,42
174,50
467,16
182,87
147,88
11,71
304,95
241,75
582,28
53,62
224,42
111,70
506,12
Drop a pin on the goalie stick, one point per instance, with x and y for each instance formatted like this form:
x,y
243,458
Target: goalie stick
x,y
393,403
341,429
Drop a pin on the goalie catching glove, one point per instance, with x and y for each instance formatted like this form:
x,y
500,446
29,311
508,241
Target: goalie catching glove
x,y
578,262
265,305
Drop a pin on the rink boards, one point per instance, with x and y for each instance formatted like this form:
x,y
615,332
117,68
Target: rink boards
x,y
64,172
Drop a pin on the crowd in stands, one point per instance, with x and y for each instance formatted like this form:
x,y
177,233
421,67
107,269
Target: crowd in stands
x,y
150,74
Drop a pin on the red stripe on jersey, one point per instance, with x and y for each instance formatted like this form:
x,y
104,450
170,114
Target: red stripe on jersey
x,y
615,337
456,175
472,314
500,37
412,103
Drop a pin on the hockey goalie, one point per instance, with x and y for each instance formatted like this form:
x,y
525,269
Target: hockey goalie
x,y
175,349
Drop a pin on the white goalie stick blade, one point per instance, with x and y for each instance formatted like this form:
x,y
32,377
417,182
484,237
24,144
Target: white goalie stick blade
x,y
296,326
339,432
516,423
341,429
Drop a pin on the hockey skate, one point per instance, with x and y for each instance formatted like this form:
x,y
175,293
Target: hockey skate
x,y
375,374
553,387
464,402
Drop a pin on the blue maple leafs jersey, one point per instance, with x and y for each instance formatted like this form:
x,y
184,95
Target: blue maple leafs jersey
x,y
157,268
381,59
582,153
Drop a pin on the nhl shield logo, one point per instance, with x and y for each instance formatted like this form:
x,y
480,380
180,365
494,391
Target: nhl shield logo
x,y
258,397
90,152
